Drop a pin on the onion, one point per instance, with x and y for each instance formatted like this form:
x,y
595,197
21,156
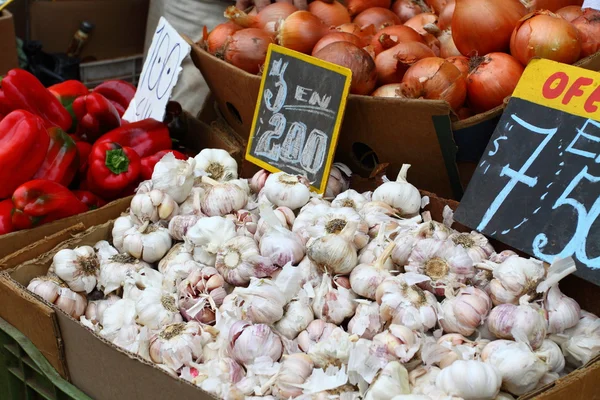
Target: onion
x,y
216,39
266,19
378,16
493,77
392,63
301,31
434,78
247,49
392,35
588,26
550,5
364,74
395,90
419,23
333,14
570,13
355,7
365,34
406,9
337,37
445,17
484,26
460,62
437,5
547,35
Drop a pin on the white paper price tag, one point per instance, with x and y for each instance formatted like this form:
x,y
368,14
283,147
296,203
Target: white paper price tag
x,y
591,4
159,75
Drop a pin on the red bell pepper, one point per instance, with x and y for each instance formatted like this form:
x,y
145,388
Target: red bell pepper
x,y
89,199
5,106
41,201
148,163
84,149
23,146
6,225
147,137
24,91
66,92
62,159
112,169
119,93
95,116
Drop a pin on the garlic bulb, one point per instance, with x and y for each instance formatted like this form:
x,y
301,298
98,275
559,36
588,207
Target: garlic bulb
x,y
405,242
77,267
317,331
191,205
581,343
471,380
295,370
515,277
563,312
422,380
115,267
174,177
405,304
221,198
246,223
177,264
464,312
258,181
339,180
499,258
155,309
524,322
239,259
476,245
217,163
208,235
552,355
117,316
95,309
349,198
279,244
149,242
284,214
47,287
365,278
366,322
200,294
520,368
120,226
400,194
248,342
260,302
287,190
153,206
376,213
333,350
179,225
392,380
54,291
333,305
297,315
372,251
334,253
398,342
180,344
450,348
309,273
447,264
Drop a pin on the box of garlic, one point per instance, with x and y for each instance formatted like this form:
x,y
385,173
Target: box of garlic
x,y
232,288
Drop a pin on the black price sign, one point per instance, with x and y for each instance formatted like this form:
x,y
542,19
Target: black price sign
x,y
537,187
298,115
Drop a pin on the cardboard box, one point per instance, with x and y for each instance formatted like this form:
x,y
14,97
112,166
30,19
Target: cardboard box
x,y
8,43
376,130
120,26
131,377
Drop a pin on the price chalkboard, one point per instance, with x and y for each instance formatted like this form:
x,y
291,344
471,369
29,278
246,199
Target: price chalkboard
x,y
537,186
298,115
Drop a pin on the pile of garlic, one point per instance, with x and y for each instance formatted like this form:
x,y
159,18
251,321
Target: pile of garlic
x,y
260,288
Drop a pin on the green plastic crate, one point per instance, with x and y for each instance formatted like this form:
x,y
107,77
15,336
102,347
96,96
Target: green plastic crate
x,y
25,374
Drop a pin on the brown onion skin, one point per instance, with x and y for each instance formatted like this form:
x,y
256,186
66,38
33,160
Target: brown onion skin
x,y
570,13
392,63
333,14
337,37
365,34
419,22
492,79
480,27
460,62
364,73
269,16
377,16
445,17
398,34
355,7
536,36
406,9
551,5
247,49
434,78
437,5
588,26
447,45
301,31
217,38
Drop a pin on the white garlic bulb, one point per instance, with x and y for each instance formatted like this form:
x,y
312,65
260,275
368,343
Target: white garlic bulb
x,y
79,268
221,198
191,205
95,309
331,304
317,331
239,259
248,342
477,246
119,315
287,190
450,348
339,180
297,315
552,355
349,198
515,277
520,368
155,309
400,194
524,322
153,206
295,370
200,294
149,242
405,242
279,244
470,380
55,291
177,264
208,235
217,163
366,278
581,343
398,342
334,253
392,380
174,177
563,311
115,267
366,322
120,226
464,312
333,350
258,180
260,302
372,251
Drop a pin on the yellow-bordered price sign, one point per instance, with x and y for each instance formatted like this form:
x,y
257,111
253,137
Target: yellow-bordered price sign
x,y
298,115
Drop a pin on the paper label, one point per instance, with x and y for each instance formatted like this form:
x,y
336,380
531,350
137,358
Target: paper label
x,y
159,75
